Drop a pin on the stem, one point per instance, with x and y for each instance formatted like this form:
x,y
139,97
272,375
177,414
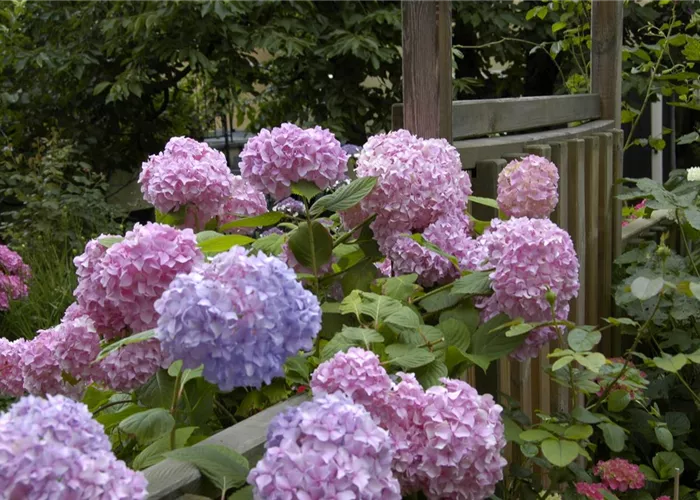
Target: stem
x,y
108,405
173,406
433,292
652,79
314,264
346,236
338,273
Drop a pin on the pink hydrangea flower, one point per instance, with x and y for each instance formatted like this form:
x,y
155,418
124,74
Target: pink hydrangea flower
x,y
244,201
187,174
131,366
530,257
384,267
77,346
528,187
618,474
119,289
41,371
665,497
357,373
14,277
275,159
418,180
11,380
591,491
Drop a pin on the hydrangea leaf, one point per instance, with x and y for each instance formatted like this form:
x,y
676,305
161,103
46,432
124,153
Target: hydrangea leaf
x,y
668,464
578,432
476,283
493,345
306,189
132,339
438,301
614,436
488,202
559,452
408,357
223,243
664,437
430,374
671,364
400,287
403,319
220,464
263,220
618,400
311,246
153,453
582,340
270,244
346,197
456,333
148,425
535,435
520,329
644,288
364,336
585,416
245,493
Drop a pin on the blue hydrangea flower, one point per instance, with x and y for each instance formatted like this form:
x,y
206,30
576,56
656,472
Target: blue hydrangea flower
x,y
52,448
240,316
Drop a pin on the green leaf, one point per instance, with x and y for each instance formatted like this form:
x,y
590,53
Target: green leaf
x,y
529,450
476,283
585,416
306,189
489,202
493,345
693,216
644,288
559,452
512,430
133,339
581,340
263,220
224,243
94,397
245,493
694,289
297,370
481,361
110,420
578,432
100,87
359,277
664,437
439,301
148,425
562,362
408,357
378,307
364,336
221,465
535,435
455,356
187,375
275,392
108,241
346,197
456,333
418,238
594,361
520,329
671,364
405,320
153,453
270,244
558,27
157,391
300,243
430,374
338,343
614,436
400,287
618,400
622,321
667,464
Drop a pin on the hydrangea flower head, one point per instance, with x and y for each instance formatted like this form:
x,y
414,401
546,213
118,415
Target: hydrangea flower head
x,y
120,288
188,173
290,206
528,187
465,435
130,366
244,201
694,174
275,159
52,448
326,448
529,258
418,180
241,316
11,380
77,346
618,474
357,373
41,371
592,491
14,277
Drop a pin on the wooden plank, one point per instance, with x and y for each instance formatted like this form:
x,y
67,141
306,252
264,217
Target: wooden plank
x,y
618,142
170,479
525,386
606,57
484,183
427,68
577,220
592,200
473,150
481,117
605,230
560,159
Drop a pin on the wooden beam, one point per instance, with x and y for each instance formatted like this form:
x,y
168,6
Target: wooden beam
x,y
606,57
427,68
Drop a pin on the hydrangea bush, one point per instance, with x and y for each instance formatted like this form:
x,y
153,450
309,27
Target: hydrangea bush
x,y
377,293
14,277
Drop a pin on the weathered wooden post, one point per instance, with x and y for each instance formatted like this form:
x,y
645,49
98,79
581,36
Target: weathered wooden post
x,y
606,57
427,68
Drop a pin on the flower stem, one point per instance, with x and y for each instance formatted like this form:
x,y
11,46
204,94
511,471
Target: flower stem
x,y
345,237
173,406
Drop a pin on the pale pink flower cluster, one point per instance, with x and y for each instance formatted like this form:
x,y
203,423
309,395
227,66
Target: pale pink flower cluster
x,y
447,440
528,187
591,491
618,474
529,258
244,201
275,159
187,174
14,277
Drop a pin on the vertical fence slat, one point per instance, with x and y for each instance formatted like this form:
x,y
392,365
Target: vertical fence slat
x,y
605,231
560,159
577,219
592,207
484,183
618,137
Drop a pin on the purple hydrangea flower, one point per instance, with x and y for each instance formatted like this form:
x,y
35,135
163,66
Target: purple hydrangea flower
x,y
323,449
188,173
528,187
275,159
53,449
241,316
290,206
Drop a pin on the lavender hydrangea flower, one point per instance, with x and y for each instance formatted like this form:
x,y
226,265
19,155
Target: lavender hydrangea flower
x,y
187,173
275,159
241,316
326,448
53,449
290,206
528,187
244,201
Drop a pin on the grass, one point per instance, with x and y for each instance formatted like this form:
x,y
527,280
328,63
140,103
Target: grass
x,y
50,293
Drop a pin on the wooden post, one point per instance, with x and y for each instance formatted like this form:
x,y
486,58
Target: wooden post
x,y
427,68
606,57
